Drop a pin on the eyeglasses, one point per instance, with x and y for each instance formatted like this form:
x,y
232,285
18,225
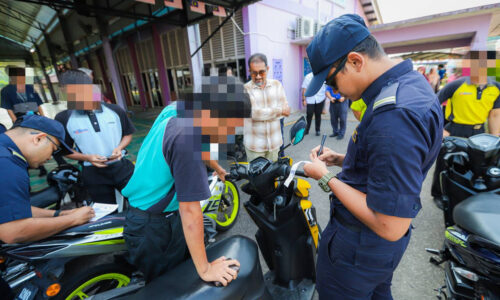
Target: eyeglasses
x,y
330,80
261,73
58,150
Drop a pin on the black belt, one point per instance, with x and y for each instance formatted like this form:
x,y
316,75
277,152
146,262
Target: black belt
x,y
148,214
466,126
346,224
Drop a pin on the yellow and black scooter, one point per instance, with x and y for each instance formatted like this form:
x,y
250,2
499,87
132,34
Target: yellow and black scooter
x,y
288,236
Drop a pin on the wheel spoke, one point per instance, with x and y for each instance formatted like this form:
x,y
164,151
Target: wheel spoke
x,y
82,295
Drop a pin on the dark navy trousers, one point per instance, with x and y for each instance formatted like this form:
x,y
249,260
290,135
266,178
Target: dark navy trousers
x,y
356,265
338,116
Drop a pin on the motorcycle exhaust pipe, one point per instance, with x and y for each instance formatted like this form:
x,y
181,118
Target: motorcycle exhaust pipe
x,y
22,279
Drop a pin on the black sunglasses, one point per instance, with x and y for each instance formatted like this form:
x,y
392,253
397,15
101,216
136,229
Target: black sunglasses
x,y
330,80
58,150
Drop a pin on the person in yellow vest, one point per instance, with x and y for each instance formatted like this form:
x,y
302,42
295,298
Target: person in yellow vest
x,y
472,100
358,109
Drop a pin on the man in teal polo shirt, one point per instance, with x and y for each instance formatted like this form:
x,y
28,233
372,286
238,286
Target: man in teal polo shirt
x,y
170,178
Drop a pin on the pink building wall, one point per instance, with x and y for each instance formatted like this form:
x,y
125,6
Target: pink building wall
x,y
271,22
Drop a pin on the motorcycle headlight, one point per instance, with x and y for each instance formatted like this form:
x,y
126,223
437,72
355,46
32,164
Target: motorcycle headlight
x,y
466,273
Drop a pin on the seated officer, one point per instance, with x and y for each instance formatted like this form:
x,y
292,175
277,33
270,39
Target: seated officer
x,y
170,179
473,99
30,144
100,132
377,194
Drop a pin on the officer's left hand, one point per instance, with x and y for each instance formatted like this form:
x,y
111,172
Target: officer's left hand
x,y
316,169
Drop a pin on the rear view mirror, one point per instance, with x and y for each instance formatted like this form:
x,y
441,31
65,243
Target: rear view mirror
x,y
297,131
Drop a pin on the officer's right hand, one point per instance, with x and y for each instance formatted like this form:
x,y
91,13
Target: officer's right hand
x,y
82,215
97,160
219,270
330,157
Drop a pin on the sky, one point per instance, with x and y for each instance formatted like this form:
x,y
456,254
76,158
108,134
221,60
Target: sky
x,y
397,10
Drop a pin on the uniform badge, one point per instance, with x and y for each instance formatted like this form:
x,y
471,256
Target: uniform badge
x,y
355,135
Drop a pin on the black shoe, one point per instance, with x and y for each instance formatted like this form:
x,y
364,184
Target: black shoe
x,y
333,134
317,133
340,137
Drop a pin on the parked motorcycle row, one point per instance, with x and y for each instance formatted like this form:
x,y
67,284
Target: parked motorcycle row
x,y
89,261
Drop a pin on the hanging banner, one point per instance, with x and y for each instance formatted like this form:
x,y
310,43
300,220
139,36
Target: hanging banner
x,y
197,6
173,3
219,11
147,1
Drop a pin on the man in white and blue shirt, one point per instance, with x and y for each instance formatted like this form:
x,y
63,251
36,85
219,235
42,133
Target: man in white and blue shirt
x,y
100,133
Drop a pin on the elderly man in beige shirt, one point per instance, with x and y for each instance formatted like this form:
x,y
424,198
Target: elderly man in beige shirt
x,y
262,132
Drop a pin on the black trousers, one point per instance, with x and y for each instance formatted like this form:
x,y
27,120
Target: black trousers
x,y
315,109
454,130
102,182
156,242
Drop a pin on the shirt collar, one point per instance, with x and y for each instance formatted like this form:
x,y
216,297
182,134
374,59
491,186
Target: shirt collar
x,y
385,79
490,82
8,143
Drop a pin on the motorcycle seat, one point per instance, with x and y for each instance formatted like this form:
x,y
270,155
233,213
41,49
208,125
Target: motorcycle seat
x,y
45,197
480,215
109,221
183,281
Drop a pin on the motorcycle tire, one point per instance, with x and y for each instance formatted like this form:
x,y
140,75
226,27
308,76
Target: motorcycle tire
x,y
230,199
80,284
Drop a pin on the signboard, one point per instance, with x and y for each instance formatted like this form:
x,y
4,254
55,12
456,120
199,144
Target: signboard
x,y
278,70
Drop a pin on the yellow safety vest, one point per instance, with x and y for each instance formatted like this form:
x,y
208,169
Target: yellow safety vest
x,y
464,107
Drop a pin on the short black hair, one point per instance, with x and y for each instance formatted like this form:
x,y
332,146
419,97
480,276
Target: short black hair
x,y
256,57
369,46
15,71
74,77
440,66
224,96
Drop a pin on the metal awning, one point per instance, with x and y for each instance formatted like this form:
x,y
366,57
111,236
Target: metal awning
x,y
29,22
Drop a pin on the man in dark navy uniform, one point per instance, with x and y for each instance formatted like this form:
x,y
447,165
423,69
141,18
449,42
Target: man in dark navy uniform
x,y
31,143
377,194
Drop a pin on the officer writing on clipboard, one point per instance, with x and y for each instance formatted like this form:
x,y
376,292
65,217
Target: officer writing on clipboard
x,y
377,194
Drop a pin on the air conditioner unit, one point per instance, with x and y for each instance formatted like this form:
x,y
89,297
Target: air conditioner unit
x,y
305,28
317,27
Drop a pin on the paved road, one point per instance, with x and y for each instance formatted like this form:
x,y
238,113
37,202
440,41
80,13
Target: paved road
x,y
415,277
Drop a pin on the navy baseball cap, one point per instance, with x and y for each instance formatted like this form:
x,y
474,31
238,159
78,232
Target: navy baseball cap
x,y
48,126
334,40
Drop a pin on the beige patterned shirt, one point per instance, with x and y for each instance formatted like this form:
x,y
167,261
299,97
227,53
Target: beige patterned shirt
x,y
262,132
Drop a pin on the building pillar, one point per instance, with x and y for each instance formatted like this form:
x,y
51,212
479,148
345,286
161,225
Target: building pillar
x,y
196,62
480,40
110,62
162,72
68,39
137,72
47,78
105,78
52,55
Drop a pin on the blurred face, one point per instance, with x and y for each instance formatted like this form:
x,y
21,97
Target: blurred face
x,y
258,72
479,66
83,96
219,129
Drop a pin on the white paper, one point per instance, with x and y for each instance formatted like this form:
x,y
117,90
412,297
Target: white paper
x,y
102,210
293,170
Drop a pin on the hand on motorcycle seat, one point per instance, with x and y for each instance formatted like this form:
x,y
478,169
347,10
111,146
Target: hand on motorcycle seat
x,y
220,271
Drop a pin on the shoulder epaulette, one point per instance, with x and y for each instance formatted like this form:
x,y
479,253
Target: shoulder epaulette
x,y
386,96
